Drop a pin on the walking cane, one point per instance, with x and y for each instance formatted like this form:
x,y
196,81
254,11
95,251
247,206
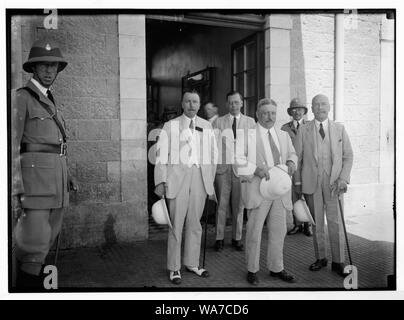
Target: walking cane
x,y
346,235
206,211
57,249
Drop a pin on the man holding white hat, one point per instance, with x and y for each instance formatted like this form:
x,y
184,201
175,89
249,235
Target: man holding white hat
x,y
266,192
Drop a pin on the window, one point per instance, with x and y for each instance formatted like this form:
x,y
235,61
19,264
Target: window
x,y
248,71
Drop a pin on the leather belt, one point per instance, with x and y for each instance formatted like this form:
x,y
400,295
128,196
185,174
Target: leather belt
x,y
44,147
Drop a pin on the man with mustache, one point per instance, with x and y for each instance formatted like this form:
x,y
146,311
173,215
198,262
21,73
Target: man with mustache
x,y
296,110
184,173
273,148
324,168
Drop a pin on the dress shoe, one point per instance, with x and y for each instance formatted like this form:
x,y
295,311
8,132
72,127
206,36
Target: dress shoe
x,y
252,278
219,244
27,282
295,230
320,263
237,244
307,229
338,268
203,273
283,275
175,277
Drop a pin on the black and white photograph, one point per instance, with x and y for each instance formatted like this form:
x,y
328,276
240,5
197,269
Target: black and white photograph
x,y
181,150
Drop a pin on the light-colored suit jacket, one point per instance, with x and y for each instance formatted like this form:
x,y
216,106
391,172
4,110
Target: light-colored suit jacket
x,y
172,143
226,142
306,149
250,191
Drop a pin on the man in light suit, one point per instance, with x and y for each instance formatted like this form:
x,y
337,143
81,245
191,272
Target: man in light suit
x,y
296,110
325,163
273,147
232,125
184,174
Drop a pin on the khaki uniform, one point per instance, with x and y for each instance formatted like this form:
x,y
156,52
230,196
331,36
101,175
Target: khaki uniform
x,y
41,179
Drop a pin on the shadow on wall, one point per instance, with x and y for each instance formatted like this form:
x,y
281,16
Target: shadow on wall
x,y
297,65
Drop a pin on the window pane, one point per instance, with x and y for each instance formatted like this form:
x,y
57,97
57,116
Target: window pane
x,y
249,107
250,84
239,83
250,55
239,60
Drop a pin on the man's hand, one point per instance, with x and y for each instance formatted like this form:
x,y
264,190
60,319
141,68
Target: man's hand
x,y
16,206
262,173
342,186
246,179
160,190
291,167
73,184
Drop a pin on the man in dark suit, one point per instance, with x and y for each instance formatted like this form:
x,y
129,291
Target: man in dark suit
x,y
296,110
232,129
323,173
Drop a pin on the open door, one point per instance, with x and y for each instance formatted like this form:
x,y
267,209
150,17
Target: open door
x,y
248,71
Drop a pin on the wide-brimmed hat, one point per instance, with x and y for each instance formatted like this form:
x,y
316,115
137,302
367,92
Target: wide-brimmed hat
x,y
44,51
278,185
294,104
160,213
302,212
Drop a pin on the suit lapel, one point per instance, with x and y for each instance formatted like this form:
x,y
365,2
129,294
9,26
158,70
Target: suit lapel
x,y
260,148
332,135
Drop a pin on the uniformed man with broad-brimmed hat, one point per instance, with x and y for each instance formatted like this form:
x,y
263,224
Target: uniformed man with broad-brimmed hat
x,y
296,110
40,179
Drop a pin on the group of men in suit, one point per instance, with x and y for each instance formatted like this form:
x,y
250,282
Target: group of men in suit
x,y
317,154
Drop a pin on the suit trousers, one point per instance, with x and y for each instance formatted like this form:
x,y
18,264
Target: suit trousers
x,y
35,232
186,208
275,215
321,201
228,188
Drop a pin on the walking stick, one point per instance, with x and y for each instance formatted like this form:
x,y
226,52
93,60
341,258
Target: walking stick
x,y
206,211
57,248
346,235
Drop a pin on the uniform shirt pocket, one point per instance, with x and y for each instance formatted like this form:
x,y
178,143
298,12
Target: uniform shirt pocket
x,y
38,174
40,123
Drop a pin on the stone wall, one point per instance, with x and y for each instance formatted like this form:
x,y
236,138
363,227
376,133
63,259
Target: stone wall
x,y
312,72
105,209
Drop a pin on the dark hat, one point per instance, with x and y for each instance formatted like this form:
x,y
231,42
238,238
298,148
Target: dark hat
x,y
294,104
44,51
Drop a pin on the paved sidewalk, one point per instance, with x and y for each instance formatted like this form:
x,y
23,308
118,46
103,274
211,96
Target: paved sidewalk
x,y
141,266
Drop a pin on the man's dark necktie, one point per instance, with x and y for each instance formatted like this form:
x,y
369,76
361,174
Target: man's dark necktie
x,y
275,152
298,125
50,96
321,131
234,127
191,125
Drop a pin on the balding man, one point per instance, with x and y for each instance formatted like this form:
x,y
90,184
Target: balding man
x,y
324,167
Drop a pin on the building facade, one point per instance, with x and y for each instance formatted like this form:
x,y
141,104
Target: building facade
x,y
126,74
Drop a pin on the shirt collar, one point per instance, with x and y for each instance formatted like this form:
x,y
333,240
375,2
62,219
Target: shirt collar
x,y
325,123
40,87
237,117
188,120
265,130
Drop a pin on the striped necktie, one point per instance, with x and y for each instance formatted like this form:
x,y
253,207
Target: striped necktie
x,y
275,151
